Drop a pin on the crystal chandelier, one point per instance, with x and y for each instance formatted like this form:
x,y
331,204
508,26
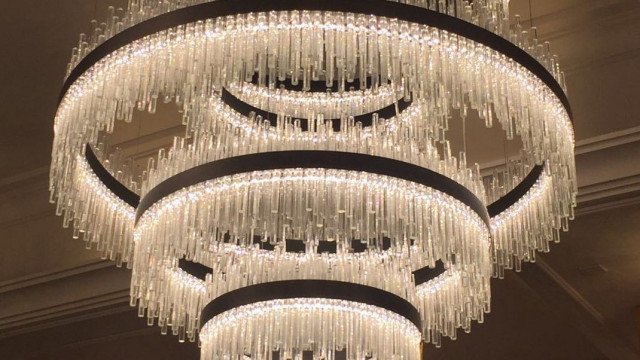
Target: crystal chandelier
x,y
312,206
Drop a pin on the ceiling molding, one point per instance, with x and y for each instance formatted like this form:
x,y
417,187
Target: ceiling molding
x,y
609,205
584,14
611,188
47,276
65,313
602,61
110,338
51,298
564,13
570,290
608,16
566,303
588,145
22,219
615,191
609,140
24,176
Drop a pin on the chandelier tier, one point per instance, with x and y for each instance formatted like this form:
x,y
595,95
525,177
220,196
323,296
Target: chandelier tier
x,y
313,205
312,195
312,316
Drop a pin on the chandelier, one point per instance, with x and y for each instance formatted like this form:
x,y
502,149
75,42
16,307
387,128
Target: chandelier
x,y
312,205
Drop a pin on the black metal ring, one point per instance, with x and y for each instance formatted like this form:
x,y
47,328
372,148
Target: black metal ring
x,y
420,276
194,269
510,198
366,119
315,86
324,246
133,199
427,273
324,289
313,159
383,8
115,186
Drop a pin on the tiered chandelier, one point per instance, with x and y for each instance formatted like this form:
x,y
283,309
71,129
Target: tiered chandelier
x,y
312,208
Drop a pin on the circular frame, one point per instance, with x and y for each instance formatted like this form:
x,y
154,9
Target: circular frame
x,y
421,276
115,186
326,289
313,159
382,8
510,198
245,109
131,198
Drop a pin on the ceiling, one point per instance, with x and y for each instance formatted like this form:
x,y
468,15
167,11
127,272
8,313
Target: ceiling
x,y
58,300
